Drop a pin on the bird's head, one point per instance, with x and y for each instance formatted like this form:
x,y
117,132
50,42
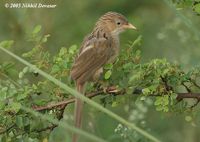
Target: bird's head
x,y
114,22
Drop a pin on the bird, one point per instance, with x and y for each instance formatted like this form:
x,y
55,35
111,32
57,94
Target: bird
x,y
100,47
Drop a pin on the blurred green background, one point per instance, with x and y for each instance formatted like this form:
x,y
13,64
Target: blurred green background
x,y
166,34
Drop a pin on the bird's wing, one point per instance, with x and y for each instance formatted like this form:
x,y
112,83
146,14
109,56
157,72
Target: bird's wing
x,y
92,58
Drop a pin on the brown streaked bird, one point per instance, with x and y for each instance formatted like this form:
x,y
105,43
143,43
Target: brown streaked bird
x,y
98,48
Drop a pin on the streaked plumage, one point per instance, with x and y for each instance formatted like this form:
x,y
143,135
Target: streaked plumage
x,y
101,46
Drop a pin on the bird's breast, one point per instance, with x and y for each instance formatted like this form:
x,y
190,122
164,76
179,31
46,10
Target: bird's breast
x,y
115,46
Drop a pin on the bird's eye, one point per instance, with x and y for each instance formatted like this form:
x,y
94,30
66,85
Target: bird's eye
x,y
118,23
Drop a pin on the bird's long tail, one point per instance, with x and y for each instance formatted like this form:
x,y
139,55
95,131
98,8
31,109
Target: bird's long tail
x,y
78,111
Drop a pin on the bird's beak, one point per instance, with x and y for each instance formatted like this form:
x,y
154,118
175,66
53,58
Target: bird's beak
x,y
130,26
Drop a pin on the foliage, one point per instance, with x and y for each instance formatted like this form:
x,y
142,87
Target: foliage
x,y
156,83
24,91
157,77
194,4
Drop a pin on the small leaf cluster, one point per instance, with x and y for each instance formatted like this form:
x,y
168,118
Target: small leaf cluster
x,y
24,87
194,4
163,79
128,135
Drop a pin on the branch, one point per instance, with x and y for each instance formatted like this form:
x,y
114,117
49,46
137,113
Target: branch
x,y
64,103
186,87
114,91
109,90
195,84
188,95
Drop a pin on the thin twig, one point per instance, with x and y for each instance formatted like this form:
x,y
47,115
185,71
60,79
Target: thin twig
x,y
194,105
186,87
195,84
7,129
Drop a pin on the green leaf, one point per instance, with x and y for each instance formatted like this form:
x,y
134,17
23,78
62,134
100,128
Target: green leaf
x,y
197,8
114,104
21,75
15,107
62,51
159,108
136,76
165,100
21,96
142,98
173,95
26,121
72,49
127,66
188,118
3,93
165,109
55,69
138,53
158,101
108,66
44,39
7,43
24,93
37,29
107,74
146,91
25,70
19,121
